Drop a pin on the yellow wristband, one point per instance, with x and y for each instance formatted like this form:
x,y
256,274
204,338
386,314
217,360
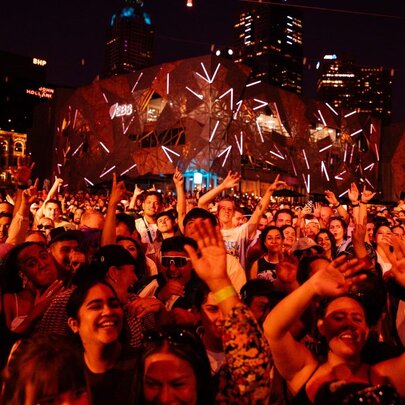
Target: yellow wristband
x,y
225,293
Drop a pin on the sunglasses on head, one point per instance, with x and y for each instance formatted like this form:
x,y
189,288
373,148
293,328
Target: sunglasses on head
x,y
178,337
40,227
177,261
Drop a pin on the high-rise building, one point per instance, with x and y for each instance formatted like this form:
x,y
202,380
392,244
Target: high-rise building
x,y
268,38
22,86
343,83
129,44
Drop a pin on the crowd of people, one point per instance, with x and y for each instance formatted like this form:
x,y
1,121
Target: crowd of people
x,y
149,298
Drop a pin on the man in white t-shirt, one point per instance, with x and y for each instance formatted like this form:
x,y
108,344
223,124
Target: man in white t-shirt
x,y
146,225
237,238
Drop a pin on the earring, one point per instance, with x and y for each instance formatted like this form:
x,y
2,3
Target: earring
x,y
23,278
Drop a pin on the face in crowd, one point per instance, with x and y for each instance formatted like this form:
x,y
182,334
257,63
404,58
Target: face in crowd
x,y
52,211
176,266
226,210
152,206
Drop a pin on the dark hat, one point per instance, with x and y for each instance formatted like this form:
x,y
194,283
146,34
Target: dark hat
x,y
112,255
260,288
60,234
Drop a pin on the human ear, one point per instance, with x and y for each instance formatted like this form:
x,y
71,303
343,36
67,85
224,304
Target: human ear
x,y
321,327
73,324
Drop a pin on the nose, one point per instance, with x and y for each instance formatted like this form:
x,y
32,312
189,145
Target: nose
x,y
166,394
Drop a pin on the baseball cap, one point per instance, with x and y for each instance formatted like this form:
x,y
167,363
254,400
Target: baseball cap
x,y
306,243
112,255
60,234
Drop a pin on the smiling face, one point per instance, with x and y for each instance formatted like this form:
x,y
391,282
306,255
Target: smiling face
x,y
168,379
176,266
151,206
344,327
323,240
289,236
274,241
99,320
36,263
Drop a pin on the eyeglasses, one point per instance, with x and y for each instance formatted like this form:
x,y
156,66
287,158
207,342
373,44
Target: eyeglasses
x,y
177,261
46,227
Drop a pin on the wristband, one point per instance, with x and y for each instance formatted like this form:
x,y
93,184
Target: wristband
x,y
362,202
225,293
336,206
355,205
22,187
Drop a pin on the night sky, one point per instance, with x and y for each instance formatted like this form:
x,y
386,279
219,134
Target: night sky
x,y
65,32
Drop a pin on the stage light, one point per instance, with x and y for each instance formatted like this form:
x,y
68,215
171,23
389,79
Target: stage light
x,y
189,3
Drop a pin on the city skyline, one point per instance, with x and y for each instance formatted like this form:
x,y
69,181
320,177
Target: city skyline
x,y
68,34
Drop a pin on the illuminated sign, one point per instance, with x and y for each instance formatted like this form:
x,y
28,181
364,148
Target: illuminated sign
x,y
42,92
40,62
117,110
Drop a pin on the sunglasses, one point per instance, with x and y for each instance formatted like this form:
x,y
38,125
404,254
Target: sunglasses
x,y
177,261
176,337
46,227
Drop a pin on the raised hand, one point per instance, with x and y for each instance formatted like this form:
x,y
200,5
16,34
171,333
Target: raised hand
x,y
22,174
277,184
330,196
353,193
30,194
118,191
178,178
231,180
210,266
337,277
366,195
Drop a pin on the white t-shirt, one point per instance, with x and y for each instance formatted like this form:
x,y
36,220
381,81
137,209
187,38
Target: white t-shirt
x,y
147,232
236,242
235,272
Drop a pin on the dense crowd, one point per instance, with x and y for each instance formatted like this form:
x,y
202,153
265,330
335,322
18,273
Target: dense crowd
x,y
142,297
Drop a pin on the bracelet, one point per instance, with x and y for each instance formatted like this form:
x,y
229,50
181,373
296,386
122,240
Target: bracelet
x,y
362,202
355,205
225,293
336,206
22,187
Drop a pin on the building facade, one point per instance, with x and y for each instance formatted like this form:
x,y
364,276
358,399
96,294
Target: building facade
x,y
268,39
343,83
129,44
12,146
22,87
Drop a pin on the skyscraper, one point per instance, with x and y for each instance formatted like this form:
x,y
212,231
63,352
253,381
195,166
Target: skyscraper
x,y
343,83
129,44
268,38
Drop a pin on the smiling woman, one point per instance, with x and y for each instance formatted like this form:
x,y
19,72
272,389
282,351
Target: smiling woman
x,y
96,316
344,324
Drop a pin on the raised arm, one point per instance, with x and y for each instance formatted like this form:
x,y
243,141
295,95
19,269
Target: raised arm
x,y
263,204
20,223
178,180
246,350
330,196
294,362
118,192
52,192
230,181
